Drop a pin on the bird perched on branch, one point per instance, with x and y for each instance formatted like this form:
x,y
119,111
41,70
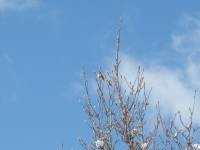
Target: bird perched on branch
x,y
100,76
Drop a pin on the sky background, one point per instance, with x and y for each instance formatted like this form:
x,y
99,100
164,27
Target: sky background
x,y
45,43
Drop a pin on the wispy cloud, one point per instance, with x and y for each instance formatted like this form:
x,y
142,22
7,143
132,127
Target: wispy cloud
x,y
6,5
187,40
186,43
174,87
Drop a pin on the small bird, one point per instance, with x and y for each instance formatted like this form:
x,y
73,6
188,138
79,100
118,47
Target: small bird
x,y
100,76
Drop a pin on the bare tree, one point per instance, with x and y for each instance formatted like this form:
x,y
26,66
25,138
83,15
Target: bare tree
x,y
117,114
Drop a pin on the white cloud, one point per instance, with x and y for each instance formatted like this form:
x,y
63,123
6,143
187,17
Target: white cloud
x,y
193,72
173,93
174,88
17,4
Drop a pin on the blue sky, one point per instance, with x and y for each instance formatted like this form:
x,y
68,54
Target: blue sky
x,y
44,44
